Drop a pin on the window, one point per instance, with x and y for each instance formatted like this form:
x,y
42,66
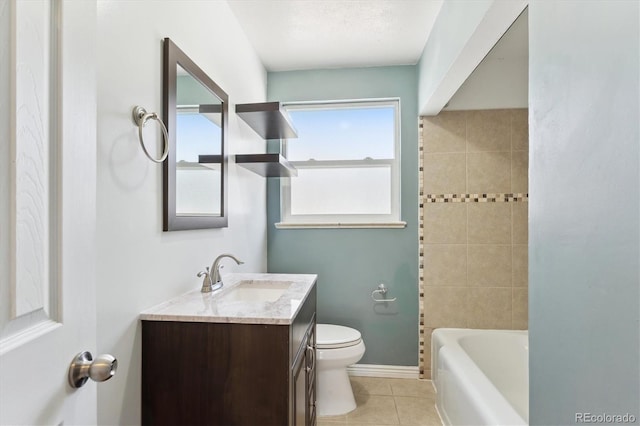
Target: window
x,y
198,183
348,160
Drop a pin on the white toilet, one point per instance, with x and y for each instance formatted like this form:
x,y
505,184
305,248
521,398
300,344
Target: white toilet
x,y
336,348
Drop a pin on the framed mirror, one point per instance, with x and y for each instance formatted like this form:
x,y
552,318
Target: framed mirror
x,y
195,112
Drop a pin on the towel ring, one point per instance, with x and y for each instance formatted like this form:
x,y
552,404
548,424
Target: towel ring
x,y
140,117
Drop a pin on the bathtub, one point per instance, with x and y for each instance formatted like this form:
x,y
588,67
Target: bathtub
x,y
481,376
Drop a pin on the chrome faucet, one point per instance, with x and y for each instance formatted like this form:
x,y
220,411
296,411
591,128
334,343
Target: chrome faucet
x,y
214,282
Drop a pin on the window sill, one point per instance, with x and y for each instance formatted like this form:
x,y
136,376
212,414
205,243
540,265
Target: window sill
x,y
381,225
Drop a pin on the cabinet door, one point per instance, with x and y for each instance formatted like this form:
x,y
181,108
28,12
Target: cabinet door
x,y
311,374
300,389
304,380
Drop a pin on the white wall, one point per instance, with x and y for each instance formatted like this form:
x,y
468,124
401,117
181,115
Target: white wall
x,y
138,265
495,84
501,80
584,210
462,35
5,169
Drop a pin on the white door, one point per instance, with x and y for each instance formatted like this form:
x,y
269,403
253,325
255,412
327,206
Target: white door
x,y
47,208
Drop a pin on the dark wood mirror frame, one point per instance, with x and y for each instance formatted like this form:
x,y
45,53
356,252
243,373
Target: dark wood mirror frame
x,y
173,57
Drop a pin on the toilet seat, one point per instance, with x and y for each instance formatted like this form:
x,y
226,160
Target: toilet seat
x,y
329,336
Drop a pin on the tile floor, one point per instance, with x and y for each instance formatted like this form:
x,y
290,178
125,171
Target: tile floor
x,y
389,402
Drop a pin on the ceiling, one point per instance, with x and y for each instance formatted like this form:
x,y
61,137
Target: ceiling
x,y
317,34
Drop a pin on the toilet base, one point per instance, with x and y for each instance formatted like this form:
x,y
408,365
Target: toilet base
x,y
335,396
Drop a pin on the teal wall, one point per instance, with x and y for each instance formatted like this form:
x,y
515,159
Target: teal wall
x,y
584,210
350,263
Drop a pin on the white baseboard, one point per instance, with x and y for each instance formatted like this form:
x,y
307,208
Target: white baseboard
x,y
391,371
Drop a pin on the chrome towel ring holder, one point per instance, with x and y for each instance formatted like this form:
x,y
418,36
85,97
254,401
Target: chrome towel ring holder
x,y
140,117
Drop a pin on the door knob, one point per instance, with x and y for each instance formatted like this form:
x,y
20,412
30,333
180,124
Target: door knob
x,y
83,367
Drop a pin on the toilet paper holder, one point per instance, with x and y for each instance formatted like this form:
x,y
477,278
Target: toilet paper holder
x,y
382,290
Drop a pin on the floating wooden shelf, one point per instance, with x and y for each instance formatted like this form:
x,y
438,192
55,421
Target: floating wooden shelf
x,y
267,119
210,159
210,108
267,165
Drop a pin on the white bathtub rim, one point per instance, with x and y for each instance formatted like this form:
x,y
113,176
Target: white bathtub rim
x,y
465,370
477,385
451,336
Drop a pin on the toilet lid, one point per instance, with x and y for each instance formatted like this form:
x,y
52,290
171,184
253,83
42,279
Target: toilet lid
x,y
329,336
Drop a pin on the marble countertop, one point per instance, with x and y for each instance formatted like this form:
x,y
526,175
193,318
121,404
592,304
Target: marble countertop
x,y
224,305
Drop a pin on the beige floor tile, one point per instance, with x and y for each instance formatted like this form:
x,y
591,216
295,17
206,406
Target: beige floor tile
x,y
413,403
489,265
445,264
445,132
489,130
520,268
520,129
520,309
376,409
366,424
489,172
520,172
445,173
370,386
416,411
412,387
520,212
489,223
490,308
445,223
333,419
446,306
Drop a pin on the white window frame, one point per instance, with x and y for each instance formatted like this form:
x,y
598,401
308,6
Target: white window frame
x,y
392,220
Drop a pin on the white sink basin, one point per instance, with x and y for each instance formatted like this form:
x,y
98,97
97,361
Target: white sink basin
x,y
257,291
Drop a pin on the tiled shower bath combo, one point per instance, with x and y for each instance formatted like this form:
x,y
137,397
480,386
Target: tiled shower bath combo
x,y
473,222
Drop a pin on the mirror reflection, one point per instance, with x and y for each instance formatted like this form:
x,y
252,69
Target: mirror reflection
x,y
198,148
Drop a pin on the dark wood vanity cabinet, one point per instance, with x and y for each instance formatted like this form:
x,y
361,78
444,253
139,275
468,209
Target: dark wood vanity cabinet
x,y
197,373
304,380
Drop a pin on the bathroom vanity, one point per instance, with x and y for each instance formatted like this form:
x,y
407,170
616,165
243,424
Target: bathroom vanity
x,y
243,355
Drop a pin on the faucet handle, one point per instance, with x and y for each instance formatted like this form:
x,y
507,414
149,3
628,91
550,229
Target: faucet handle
x,y
206,273
206,281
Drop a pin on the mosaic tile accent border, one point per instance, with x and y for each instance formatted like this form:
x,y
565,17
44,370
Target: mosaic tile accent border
x,y
476,198
421,342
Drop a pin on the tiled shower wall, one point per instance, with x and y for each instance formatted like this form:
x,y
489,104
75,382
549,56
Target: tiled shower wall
x,y
473,228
